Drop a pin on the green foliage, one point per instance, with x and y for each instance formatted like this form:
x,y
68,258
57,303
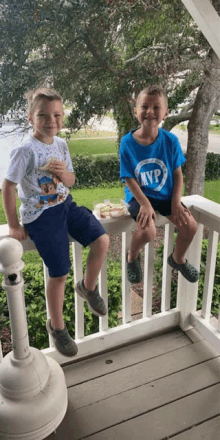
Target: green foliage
x,y
97,54
36,304
216,290
93,171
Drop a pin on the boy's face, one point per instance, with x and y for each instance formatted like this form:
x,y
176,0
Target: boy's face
x,y
151,110
47,119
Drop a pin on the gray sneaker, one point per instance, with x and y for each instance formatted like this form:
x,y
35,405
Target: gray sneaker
x,y
94,300
62,340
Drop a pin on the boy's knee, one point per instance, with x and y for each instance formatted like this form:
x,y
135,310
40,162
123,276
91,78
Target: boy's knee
x,y
191,227
103,242
149,233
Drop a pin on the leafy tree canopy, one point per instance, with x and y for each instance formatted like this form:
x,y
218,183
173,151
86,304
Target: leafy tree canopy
x,y
99,53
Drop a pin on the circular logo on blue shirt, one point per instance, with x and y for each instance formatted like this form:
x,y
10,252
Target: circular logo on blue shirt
x,y
152,173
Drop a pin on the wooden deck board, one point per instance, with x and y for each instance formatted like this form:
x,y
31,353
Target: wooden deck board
x,y
163,395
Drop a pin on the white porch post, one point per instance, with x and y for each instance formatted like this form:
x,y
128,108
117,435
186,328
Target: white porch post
x,y
207,19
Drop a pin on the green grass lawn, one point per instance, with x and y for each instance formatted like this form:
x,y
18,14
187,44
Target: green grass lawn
x,y
93,146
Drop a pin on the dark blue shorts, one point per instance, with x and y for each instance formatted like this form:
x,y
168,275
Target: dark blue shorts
x,y
162,206
50,233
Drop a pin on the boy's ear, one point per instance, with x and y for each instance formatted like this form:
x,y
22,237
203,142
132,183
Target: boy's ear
x,y
166,114
30,119
135,111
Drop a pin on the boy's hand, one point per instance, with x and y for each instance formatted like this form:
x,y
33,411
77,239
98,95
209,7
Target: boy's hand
x,y
181,214
146,216
19,233
57,168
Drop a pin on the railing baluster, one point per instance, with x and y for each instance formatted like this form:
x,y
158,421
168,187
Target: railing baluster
x,y
46,278
126,286
167,271
103,322
79,302
148,278
1,354
209,274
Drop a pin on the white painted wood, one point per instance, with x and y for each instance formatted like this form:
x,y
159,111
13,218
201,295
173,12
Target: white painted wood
x,y
218,323
207,20
46,279
206,330
123,334
138,400
126,286
79,302
209,274
167,271
103,321
148,278
187,292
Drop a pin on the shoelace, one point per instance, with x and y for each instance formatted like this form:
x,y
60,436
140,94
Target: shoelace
x,y
64,338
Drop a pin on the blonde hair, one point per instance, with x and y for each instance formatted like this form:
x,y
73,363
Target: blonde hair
x,y
153,90
33,96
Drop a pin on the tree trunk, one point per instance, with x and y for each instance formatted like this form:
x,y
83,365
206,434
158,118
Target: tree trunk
x,y
206,103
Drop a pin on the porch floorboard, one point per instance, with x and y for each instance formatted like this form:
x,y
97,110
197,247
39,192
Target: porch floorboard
x,y
164,387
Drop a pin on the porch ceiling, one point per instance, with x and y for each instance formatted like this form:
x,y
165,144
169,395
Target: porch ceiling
x,y
207,20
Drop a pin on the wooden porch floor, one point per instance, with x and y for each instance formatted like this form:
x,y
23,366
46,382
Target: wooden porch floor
x,y
164,387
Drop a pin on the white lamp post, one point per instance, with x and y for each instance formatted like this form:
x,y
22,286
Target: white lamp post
x,y
33,393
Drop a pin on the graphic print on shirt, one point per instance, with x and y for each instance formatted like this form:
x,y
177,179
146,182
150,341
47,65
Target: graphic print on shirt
x,y
151,173
49,194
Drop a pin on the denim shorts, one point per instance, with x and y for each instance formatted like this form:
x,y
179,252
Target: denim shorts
x,y
162,206
50,233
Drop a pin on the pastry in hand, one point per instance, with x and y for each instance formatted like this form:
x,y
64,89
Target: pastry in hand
x,y
46,166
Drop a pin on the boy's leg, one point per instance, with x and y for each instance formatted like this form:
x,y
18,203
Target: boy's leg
x,y
177,259
184,238
97,253
87,288
88,231
139,239
55,296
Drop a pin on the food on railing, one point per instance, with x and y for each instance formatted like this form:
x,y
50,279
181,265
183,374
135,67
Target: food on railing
x,y
109,210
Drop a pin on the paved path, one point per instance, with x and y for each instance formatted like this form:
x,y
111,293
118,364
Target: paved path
x,y
214,140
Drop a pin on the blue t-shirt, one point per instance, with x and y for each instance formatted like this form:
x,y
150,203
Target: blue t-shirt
x,y
151,165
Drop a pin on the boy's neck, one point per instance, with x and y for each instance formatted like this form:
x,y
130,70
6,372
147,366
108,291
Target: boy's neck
x,y
145,137
44,140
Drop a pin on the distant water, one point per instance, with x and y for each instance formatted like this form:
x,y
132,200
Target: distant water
x,y
8,137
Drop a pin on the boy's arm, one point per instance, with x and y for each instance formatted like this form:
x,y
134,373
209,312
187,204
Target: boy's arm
x,y
178,211
146,213
9,200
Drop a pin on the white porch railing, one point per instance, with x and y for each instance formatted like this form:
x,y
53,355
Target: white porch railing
x,y
185,314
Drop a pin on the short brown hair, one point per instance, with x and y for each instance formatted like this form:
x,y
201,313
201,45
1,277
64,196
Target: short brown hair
x,y
153,90
34,95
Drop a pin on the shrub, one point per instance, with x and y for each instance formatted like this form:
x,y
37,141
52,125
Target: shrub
x,y
36,305
216,288
94,171
99,170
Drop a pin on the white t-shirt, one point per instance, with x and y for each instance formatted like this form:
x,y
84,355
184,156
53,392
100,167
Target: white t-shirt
x,y
37,189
